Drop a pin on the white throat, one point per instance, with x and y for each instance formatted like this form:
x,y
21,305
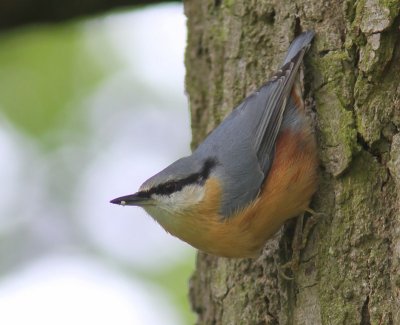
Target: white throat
x,y
167,209
188,196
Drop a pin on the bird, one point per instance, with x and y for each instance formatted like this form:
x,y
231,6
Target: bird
x,y
253,172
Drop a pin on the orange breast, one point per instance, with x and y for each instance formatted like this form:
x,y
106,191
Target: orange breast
x,y
286,193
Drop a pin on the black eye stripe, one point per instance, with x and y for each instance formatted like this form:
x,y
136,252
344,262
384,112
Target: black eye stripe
x,y
175,186
170,187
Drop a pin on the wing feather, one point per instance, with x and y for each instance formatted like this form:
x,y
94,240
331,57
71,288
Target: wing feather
x,y
274,97
243,145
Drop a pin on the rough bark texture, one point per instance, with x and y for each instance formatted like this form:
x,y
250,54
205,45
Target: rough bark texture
x,y
14,13
350,268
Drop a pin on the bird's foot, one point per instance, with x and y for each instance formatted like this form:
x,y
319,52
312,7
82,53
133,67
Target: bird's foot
x,y
299,242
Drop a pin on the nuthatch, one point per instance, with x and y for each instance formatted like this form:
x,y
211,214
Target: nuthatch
x,y
257,169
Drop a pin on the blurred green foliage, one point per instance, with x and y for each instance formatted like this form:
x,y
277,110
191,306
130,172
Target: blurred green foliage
x,y
171,279
44,73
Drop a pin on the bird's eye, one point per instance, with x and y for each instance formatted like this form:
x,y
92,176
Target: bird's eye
x,y
170,187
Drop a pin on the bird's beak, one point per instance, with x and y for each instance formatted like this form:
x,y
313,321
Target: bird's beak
x,y
132,199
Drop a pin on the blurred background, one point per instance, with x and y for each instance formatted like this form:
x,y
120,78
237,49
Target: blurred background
x,y
88,111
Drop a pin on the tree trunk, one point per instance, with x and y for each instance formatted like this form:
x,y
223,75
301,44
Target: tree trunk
x,y
349,271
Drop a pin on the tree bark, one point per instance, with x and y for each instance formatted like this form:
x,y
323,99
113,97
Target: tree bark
x,y
349,272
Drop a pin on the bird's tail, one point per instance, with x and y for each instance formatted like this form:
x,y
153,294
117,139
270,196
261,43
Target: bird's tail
x,y
300,42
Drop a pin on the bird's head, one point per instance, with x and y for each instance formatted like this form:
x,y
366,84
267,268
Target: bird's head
x,y
174,191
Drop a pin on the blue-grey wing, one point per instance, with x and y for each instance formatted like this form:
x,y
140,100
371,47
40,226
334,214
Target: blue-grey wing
x,y
244,143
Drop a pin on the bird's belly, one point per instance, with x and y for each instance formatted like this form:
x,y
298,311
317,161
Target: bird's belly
x,y
286,193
